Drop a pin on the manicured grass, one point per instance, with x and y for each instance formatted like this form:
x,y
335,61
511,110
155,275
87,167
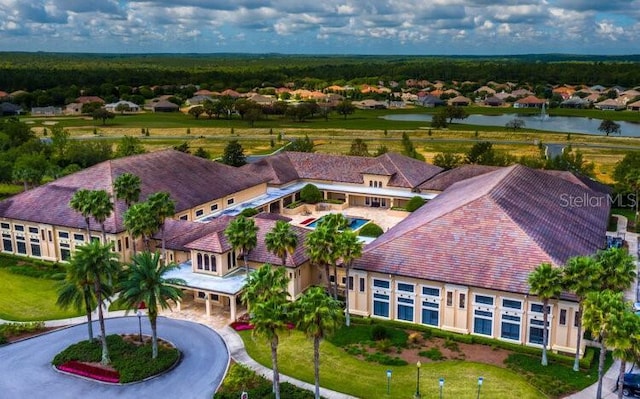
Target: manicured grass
x,y
338,371
242,379
7,190
29,299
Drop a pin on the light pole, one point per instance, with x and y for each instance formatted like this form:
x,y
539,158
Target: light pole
x,y
139,314
480,379
388,381
418,379
441,384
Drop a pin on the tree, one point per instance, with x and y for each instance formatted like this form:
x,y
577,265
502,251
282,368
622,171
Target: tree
x,y
281,240
631,161
301,145
127,187
481,153
345,108
129,145
242,234
318,316
319,246
608,127
140,221
336,224
571,161
515,124
618,270
447,160
310,194
102,114
350,249
197,111
81,203
381,150
632,182
234,154
545,282
414,203
122,108
359,148
265,293
452,112
624,339
59,141
184,147
253,115
409,149
580,275
101,208
602,312
30,169
439,120
163,207
101,266
202,153
146,282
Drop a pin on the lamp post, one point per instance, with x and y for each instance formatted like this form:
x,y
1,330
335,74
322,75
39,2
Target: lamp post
x,y
441,384
388,382
418,379
139,314
480,380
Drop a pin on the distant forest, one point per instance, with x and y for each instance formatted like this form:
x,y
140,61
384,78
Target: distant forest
x,y
42,71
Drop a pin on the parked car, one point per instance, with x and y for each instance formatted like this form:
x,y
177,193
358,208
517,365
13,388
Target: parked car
x,y
631,384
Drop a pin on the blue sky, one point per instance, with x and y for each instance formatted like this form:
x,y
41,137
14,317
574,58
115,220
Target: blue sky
x,y
428,27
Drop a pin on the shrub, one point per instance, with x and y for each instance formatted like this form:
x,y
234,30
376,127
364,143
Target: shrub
x,y
414,338
452,345
310,194
384,345
414,203
379,333
240,378
248,212
294,204
432,353
385,359
371,230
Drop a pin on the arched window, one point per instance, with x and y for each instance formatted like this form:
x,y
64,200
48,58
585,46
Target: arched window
x,y
199,261
213,263
206,262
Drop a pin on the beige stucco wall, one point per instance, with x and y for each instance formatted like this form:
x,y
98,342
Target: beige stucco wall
x,y
222,203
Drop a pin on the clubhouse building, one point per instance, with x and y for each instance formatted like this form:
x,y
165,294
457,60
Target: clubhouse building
x,y
458,263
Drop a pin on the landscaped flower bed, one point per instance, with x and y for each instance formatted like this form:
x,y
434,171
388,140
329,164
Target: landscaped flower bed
x,y
91,371
245,325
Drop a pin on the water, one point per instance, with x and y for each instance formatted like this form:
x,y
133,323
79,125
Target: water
x,y
565,124
354,223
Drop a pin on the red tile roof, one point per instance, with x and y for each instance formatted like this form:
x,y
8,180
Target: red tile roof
x,y
443,180
190,181
492,230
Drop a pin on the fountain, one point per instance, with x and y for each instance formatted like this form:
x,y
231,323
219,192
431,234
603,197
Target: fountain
x,y
543,113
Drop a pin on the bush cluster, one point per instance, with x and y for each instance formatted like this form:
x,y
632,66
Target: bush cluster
x,y
32,267
432,353
310,194
371,230
12,329
414,203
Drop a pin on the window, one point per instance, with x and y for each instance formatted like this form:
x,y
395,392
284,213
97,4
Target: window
x,y
202,295
482,322
206,263
430,313
381,305
35,247
381,284
538,308
50,237
404,287
431,291
184,217
462,300
449,298
19,227
65,251
119,245
21,245
78,237
214,297
405,309
214,207
7,244
483,299
5,226
510,327
576,319
511,304
63,234
126,242
199,212
95,239
563,317
230,201
361,284
214,267
199,261
33,230
332,278
536,331
350,283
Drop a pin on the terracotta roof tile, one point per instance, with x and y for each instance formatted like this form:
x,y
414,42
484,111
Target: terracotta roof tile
x,y
442,181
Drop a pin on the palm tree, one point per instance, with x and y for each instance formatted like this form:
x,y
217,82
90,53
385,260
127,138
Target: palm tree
x,y
242,233
140,221
163,207
281,240
350,248
545,282
581,276
127,188
602,310
76,291
317,315
266,295
101,208
624,338
81,202
319,247
101,267
336,222
146,283
618,269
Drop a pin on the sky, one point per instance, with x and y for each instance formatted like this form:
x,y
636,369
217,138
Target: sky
x,y
376,27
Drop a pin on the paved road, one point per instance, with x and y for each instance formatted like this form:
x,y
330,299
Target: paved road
x,y
26,371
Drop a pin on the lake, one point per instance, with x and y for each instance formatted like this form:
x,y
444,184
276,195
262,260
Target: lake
x,y
565,124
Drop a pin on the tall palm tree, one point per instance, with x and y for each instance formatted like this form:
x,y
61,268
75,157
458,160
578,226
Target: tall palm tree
x,y
624,338
602,310
281,240
102,267
266,295
618,269
146,283
101,208
319,247
317,315
242,233
336,223
581,276
546,283
140,221
163,207
127,187
350,249
76,291
81,202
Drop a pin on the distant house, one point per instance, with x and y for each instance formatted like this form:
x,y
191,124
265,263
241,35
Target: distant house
x,y
529,102
493,101
575,102
460,101
370,104
609,104
198,99
7,109
3,94
521,93
485,90
73,109
164,106
430,101
89,99
113,107
46,111
635,106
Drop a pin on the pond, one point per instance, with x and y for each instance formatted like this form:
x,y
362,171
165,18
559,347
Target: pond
x,y
565,124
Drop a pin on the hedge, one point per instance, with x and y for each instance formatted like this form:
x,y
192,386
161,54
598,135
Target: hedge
x,y
371,230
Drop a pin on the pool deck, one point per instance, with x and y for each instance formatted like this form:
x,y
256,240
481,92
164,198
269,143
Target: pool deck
x,y
379,216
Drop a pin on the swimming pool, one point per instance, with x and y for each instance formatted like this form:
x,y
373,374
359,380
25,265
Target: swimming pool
x,y
354,222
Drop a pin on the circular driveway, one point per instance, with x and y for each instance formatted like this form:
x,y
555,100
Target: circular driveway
x,y
26,370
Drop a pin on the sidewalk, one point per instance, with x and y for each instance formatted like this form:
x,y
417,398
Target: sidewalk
x,y
608,385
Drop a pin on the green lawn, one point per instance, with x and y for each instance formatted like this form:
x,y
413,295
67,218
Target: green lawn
x,y
368,380
29,299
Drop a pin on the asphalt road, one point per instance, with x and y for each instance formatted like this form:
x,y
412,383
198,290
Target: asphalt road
x,y
26,371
